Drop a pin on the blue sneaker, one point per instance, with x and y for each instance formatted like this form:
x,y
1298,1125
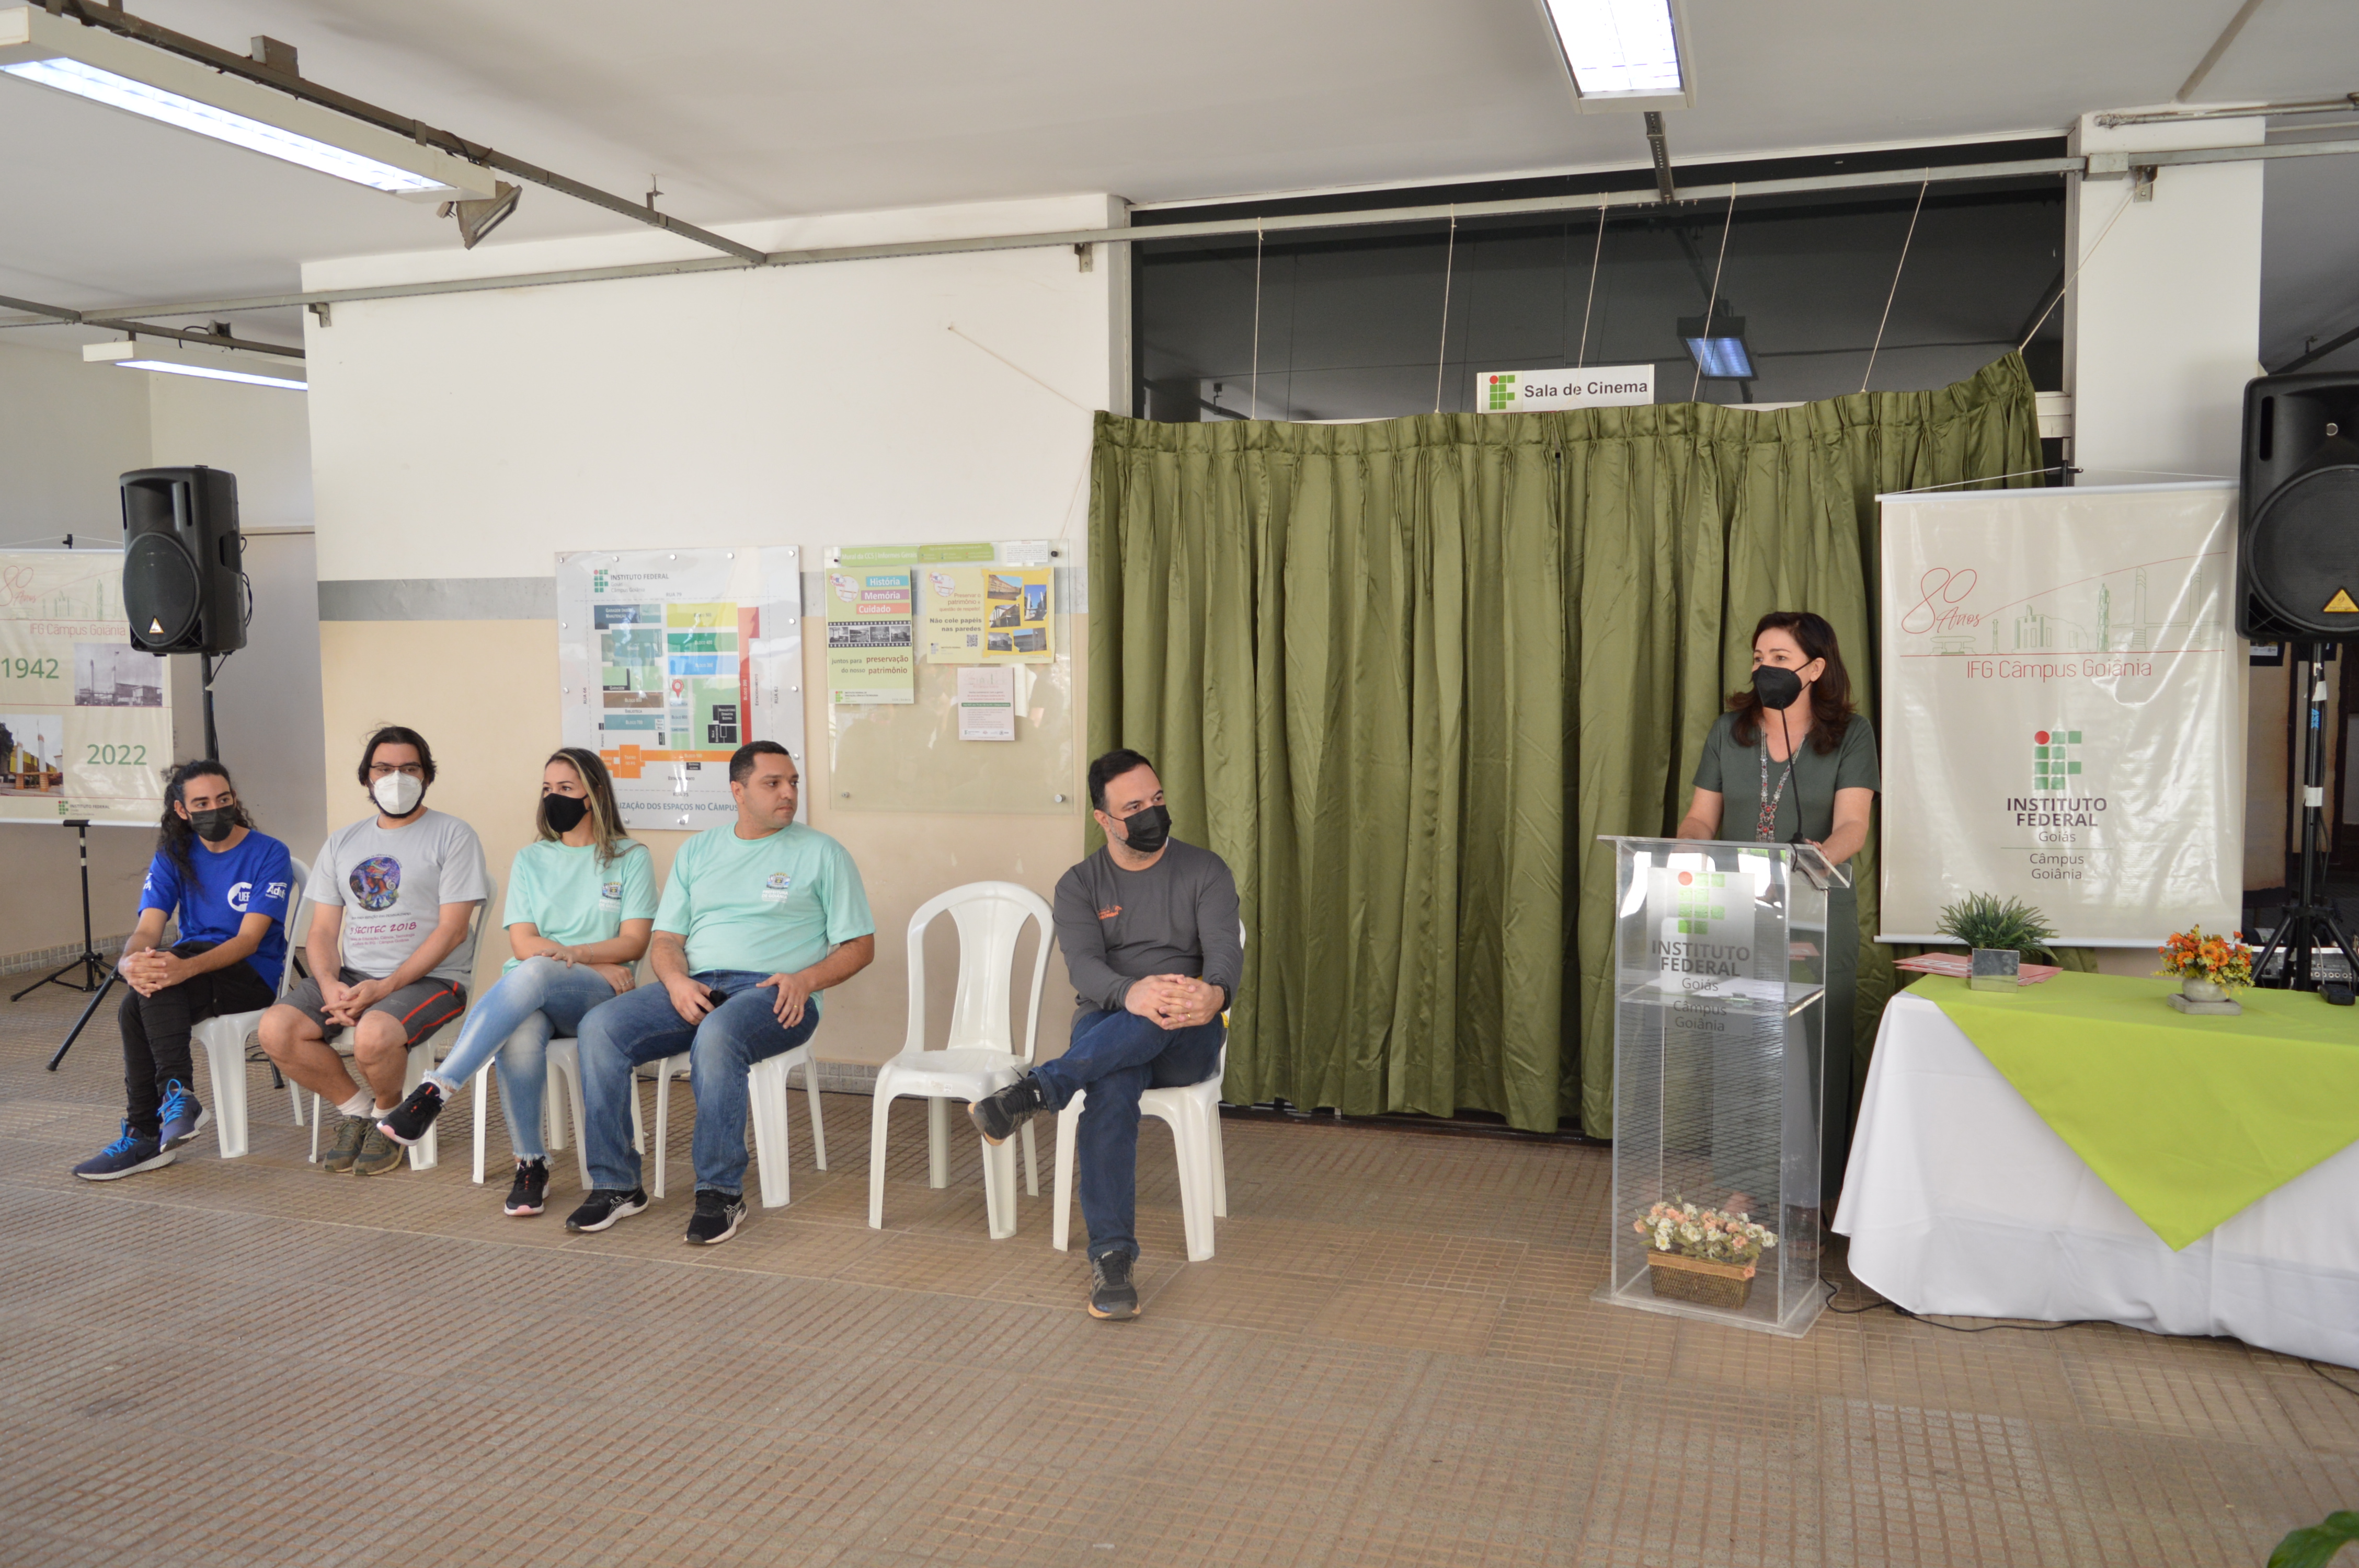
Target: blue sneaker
x,y
183,1117
126,1156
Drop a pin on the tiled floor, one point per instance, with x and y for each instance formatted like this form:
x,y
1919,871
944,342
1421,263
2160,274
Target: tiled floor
x,y
1394,1360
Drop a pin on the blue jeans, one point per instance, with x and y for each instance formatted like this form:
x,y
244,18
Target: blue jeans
x,y
1117,1056
645,1027
537,999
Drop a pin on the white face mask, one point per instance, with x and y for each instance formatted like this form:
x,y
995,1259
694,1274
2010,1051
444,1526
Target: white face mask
x,y
397,793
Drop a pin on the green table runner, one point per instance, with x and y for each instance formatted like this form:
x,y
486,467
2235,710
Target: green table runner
x,y
2188,1118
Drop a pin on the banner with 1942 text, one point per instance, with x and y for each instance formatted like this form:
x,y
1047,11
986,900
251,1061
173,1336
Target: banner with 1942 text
x,y
85,718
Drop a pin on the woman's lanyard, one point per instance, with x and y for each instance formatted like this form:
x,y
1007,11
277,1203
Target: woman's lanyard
x,y
1766,830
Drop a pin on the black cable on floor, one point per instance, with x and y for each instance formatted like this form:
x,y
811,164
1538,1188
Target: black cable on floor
x,y
2319,1368
1918,1317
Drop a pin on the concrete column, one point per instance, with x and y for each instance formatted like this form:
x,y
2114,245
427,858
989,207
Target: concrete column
x,y
2162,324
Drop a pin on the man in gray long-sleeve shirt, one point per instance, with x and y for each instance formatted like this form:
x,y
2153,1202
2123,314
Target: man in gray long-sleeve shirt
x,y
1150,930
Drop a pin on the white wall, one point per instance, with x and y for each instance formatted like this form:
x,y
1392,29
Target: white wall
x,y
476,435
460,442
267,695
67,430
2162,326
261,434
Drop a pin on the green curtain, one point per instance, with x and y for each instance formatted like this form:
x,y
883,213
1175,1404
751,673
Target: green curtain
x,y
1402,675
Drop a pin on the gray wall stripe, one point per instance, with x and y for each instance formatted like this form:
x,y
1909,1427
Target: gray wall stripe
x,y
439,599
535,598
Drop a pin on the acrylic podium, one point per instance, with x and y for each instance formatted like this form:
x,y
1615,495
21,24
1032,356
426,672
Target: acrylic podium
x,y
1719,991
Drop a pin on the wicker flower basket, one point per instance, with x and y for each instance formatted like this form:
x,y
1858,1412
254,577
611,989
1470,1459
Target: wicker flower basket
x,y
1693,1280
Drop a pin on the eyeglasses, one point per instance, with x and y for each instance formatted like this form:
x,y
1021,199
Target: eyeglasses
x,y
387,770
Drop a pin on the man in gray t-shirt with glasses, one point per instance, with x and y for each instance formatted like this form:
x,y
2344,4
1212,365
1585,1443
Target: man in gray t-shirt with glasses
x,y
1148,926
391,896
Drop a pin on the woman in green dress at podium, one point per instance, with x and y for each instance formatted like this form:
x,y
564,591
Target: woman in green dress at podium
x,y
1792,762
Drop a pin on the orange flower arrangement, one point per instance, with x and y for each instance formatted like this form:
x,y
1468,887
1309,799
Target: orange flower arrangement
x,y
2193,956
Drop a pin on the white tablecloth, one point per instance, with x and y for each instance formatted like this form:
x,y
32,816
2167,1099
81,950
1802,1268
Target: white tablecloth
x,y
1958,1199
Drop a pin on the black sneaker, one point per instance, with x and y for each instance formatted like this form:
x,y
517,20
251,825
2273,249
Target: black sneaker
x,y
529,1194
604,1207
126,1156
718,1216
182,1117
997,1116
407,1122
1112,1295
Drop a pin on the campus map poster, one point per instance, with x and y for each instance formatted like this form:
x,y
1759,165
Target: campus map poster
x,y
670,660
85,718
2064,713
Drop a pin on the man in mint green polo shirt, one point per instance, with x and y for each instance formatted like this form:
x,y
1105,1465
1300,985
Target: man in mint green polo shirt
x,y
758,919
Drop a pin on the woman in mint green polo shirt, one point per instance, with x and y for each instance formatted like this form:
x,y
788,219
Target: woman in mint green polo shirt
x,y
581,899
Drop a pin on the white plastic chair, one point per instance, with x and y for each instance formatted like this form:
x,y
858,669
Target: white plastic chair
x,y
977,1058
564,1059
1193,1113
224,1039
552,1120
773,1109
426,1153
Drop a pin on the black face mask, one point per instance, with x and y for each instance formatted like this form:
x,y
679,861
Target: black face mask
x,y
1776,688
215,824
1147,829
563,812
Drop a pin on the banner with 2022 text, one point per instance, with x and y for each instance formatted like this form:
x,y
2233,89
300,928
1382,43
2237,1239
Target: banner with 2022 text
x,y
85,718
2063,709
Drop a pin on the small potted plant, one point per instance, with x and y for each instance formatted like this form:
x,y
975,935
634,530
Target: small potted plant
x,y
2209,968
1701,1255
2001,934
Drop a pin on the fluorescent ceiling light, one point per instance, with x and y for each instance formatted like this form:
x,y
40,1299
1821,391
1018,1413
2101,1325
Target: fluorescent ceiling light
x,y
209,373
128,357
1619,49
1720,350
105,67
155,104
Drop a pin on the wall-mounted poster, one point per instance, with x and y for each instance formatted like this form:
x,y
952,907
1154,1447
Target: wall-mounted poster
x,y
891,607
670,660
871,629
1004,612
85,718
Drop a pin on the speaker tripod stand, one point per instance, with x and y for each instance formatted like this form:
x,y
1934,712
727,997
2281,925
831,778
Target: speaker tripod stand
x,y
96,975
2312,922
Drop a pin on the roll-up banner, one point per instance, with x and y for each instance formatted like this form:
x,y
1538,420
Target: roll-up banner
x,y
2063,709
85,718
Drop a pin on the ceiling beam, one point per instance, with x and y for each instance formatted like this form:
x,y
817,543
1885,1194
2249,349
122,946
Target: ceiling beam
x,y
2218,47
108,18
2309,357
1211,228
58,315
1660,149
1296,223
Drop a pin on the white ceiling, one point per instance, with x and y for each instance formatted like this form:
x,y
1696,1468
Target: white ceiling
x,y
749,109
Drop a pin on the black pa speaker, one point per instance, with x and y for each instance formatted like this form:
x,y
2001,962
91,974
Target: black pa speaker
x,y
184,563
2298,565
